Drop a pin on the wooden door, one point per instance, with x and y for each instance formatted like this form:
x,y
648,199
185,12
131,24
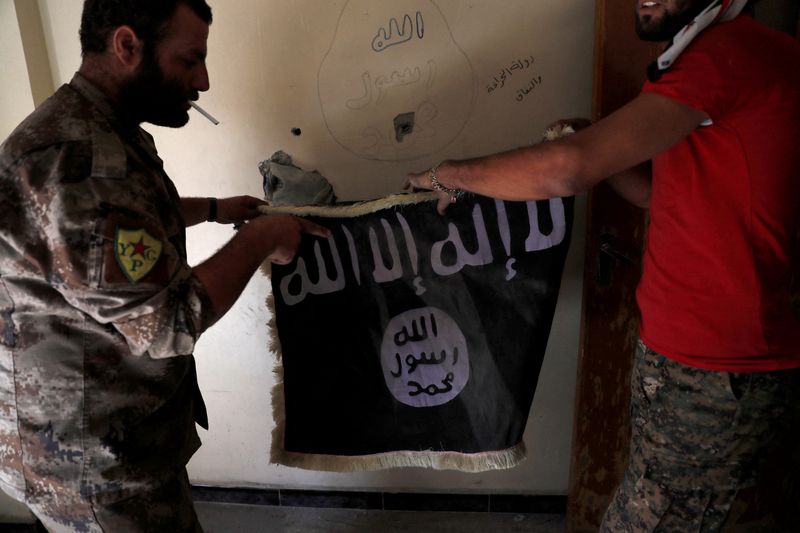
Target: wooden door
x,y
615,236
614,245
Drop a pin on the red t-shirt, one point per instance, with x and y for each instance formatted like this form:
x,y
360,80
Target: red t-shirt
x,y
725,206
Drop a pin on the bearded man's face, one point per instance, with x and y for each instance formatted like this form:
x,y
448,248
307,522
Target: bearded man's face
x,y
660,20
155,98
172,72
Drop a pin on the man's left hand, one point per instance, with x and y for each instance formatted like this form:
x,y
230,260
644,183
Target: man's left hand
x,y
432,180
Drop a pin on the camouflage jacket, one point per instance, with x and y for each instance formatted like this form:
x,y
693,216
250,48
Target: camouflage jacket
x,y
99,311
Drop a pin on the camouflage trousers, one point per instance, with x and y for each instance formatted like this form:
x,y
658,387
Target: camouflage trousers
x,y
166,509
697,437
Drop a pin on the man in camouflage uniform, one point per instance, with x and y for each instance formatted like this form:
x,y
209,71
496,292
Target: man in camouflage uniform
x,y
99,311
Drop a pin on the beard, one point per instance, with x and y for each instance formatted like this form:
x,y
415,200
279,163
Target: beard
x,y
150,96
649,28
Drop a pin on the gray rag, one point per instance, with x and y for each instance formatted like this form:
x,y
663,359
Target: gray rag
x,y
286,184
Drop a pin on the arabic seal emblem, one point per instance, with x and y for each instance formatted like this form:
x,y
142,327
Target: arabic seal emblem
x,y
424,357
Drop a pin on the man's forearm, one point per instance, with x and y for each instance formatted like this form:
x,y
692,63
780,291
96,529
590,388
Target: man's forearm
x,y
195,210
634,184
275,238
539,172
633,134
226,273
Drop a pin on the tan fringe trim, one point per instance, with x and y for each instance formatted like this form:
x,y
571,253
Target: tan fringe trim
x,y
277,394
464,462
350,210
394,200
558,131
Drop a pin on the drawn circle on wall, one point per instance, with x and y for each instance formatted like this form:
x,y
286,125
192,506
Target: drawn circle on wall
x,y
394,84
424,357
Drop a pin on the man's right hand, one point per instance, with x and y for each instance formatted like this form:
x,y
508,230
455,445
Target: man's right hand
x,y
281,235
267,237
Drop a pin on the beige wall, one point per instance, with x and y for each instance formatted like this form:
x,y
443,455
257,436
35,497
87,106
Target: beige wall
x,y
16,100
264,62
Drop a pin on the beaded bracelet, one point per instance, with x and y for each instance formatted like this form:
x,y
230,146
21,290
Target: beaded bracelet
x,y
436,185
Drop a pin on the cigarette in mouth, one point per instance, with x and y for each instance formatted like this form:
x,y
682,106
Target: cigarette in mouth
x,y
204,113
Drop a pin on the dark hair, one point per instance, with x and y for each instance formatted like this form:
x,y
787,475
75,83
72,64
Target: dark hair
x,y
147,18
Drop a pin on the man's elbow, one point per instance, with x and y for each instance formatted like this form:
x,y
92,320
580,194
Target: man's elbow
x,y
574,173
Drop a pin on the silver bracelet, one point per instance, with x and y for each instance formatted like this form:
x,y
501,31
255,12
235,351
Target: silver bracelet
x,y
436,185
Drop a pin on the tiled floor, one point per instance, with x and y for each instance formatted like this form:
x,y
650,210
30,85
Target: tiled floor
x,y
235,518
297,511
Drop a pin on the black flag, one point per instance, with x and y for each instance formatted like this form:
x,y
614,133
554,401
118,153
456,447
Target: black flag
x,y
413,339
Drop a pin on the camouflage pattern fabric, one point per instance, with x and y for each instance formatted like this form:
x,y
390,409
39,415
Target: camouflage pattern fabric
x,y
166,509
99,311
698,437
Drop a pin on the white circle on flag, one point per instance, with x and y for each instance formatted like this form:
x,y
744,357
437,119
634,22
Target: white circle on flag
x,y
424,357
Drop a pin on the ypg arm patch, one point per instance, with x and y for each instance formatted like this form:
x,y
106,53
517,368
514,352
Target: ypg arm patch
x,y
137,252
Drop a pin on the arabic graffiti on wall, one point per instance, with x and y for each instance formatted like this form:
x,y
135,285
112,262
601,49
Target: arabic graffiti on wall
x,y
396,35
516,67
375,91
388,62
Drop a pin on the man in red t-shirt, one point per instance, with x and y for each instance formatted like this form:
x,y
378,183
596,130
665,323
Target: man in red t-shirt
x,y
710,146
